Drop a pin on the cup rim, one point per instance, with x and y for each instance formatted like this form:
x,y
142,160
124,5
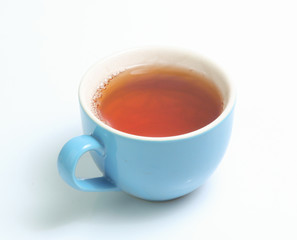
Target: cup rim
x,y
226,111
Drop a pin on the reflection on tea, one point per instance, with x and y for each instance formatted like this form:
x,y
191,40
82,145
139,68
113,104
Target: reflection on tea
x,y
158,101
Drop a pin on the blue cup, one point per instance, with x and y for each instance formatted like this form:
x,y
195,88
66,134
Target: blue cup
x,y
151,168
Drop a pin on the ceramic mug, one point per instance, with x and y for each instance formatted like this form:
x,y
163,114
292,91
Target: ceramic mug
x,y
151,168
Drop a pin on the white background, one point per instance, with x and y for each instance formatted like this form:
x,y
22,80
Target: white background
x,y
46,47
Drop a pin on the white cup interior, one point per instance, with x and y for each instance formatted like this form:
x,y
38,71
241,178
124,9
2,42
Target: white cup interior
x,y
101,71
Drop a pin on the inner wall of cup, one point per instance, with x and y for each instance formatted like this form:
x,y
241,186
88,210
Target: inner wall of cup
x,y
113,65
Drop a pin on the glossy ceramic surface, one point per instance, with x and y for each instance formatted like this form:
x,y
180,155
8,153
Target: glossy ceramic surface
x,y
147,167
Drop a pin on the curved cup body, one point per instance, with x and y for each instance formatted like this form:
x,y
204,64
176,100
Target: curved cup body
x,y
149,167
159,170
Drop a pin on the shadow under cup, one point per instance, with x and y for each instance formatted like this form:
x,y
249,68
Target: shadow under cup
x,y
152,168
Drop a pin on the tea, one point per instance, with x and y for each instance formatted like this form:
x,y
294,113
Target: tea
x,y
158,101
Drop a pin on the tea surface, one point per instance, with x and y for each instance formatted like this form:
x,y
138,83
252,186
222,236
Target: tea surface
x,y
158,101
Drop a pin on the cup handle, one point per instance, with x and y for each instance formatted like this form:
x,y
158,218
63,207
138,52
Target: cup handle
x,y
68,159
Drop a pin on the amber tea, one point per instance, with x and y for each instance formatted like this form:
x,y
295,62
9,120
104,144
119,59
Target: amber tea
x,y
158,101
